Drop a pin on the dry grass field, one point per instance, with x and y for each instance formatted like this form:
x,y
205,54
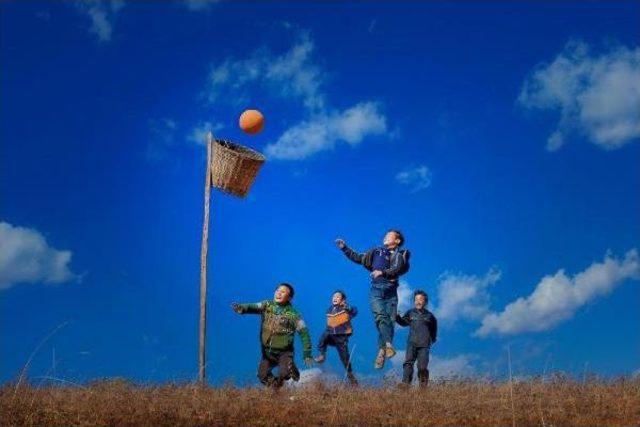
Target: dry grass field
x,y
557,402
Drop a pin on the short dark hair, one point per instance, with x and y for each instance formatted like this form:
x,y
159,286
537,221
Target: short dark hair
x,y
288,286
398,234
341,292
423,293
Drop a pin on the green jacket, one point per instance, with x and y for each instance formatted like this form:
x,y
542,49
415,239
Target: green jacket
x,y
279,325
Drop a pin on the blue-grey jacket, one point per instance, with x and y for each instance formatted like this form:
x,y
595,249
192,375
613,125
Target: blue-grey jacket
x,y
398,264
423,327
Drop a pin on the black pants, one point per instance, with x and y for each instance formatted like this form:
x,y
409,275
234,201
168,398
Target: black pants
x,y
286,368
341,343
421,354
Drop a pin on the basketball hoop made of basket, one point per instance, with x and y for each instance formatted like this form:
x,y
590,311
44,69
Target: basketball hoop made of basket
x,y
234,167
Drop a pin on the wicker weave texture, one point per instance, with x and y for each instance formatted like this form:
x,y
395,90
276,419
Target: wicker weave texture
x,y
234,167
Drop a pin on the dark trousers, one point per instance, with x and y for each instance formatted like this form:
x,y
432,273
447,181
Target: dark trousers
x,y
286,368
341,343
421,354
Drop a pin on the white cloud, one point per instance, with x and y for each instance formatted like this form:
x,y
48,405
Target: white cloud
x,y
417,178
405,297
101,13
292,75
439,367
557,297
464,296
597,95
198,5
322,132
199,132
457,366
26,257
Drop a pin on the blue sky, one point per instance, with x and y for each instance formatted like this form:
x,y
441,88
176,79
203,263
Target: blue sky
x,y
501,138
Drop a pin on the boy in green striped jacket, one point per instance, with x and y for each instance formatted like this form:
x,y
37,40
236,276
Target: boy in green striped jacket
x,y
280,322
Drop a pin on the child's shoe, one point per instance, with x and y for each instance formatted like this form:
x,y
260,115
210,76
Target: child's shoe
x,y
379,363
320,358
353,382
389,351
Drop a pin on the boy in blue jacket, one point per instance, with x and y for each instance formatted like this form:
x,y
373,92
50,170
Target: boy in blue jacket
x,y
422,333
386,264
338,331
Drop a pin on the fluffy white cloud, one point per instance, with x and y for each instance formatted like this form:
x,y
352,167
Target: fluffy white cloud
x,y
198,5
292,74
101,13
323,131
25,257
416,179
557,297
405,297
439,367
464,296
597,95
199,132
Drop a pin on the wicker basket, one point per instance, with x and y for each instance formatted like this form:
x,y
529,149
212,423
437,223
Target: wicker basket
x,y
234,167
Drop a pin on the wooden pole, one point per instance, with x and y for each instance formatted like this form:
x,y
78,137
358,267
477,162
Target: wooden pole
x,y
203,266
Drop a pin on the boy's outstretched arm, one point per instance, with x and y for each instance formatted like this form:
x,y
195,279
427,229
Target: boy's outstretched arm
x,y
251,308
433,328
398,266
302,329
349,253
403,320
353,311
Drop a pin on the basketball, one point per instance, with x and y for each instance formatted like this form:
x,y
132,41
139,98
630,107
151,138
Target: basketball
x,y
251,121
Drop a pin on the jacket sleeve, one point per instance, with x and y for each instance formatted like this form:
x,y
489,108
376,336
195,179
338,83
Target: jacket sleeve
x,y
252,308
352,255
302,329
433,328
403,320
353,311
398,266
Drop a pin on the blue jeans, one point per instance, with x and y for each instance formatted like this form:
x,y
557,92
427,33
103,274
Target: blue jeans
x,y
384,305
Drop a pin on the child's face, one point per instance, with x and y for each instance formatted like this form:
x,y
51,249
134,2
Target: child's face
x,y
282,295
391,240
337,299
419,301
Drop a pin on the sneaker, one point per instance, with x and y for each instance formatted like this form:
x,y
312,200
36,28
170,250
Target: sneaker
x,y
389,351
379,363
320,358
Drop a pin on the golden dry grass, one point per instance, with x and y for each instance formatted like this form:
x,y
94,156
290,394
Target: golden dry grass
x,y
558,402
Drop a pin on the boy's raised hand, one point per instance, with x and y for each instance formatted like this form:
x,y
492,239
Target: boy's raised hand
x,y
236,307
340,243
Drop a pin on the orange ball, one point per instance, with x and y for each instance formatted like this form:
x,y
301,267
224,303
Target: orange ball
x,y
251,121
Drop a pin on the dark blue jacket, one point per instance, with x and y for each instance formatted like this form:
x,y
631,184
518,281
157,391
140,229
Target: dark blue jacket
x,y
423,327
398,262
339,319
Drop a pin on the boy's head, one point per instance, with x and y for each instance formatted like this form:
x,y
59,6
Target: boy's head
x,y
420,299
393,239
338,297
284,293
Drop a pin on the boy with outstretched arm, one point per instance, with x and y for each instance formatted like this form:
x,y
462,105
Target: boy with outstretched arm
x,y
386,264
339,315
280,322
423,332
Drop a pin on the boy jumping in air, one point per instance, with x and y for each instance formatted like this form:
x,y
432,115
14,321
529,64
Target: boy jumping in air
x,y
386,264
280,322
422,333
338,331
